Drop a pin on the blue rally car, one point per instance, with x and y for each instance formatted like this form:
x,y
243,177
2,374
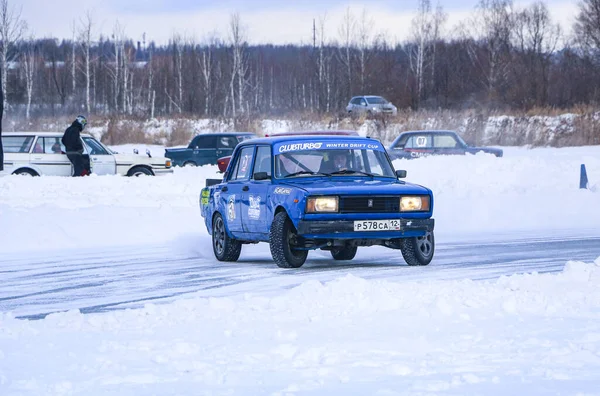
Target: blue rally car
x,y
301,193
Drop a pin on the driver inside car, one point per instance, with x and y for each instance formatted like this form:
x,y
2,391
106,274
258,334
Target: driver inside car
x,y
338,162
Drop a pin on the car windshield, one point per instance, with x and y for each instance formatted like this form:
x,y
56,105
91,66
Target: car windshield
x,y
376,100
331,159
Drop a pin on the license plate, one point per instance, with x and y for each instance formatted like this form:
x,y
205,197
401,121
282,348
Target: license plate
x,y
377,225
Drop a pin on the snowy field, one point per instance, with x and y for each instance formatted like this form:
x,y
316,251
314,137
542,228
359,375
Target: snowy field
x,y
532,333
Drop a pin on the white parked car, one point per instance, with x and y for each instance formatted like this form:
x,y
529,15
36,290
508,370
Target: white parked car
x,y
42,153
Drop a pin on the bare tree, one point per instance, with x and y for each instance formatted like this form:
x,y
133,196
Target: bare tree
x,y
12,29
347,34
85,41
587,25
492,30
1,118
29,59
536,37
421,35
178,47
73,59
365,28
240,64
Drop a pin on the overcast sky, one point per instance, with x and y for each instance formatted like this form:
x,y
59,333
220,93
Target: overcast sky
x,y
265,21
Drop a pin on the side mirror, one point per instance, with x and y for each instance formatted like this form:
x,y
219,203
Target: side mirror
x,y
148,153
135,151
400,174
261,176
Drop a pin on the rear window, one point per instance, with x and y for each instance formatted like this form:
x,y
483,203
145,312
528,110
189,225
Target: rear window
x,y
241,138
16,144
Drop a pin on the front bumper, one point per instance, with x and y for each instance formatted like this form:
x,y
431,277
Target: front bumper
x,y
344,229
162,171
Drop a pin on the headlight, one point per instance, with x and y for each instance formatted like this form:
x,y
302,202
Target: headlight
x,y
414,203
322,205
168,163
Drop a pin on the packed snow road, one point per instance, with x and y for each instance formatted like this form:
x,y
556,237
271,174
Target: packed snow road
x,y
102,280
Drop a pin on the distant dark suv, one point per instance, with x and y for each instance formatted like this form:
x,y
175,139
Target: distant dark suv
x,y
415,144
206,148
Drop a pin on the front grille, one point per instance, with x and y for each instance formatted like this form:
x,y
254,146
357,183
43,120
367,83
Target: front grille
x,y
389,204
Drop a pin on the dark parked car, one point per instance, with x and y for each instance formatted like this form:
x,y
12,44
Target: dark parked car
x,y
223,162
206,148
415,144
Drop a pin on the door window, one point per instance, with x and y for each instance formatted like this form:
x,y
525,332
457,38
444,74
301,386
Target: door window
x,y
263,160
51,145
444,141
243,165
17,144
418,142
226,142
205,142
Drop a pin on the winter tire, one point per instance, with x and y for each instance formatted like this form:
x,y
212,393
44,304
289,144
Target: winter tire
x,y
190,164
25,172
280,236
140,171
344,253
224,247
418,250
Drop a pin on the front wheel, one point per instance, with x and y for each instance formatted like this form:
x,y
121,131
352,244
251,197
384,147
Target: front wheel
x,y
281,239
418,250
140,171
224,247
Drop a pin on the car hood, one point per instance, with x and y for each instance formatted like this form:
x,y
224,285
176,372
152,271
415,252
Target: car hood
x,y
170,150
139,159
347,185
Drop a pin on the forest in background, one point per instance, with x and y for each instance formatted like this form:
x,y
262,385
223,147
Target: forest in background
x,y
502,59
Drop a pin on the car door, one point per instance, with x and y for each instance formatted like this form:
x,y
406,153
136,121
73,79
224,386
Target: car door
x,y
48,155
254,193
102,162
447,144
225,145
205,150
231,193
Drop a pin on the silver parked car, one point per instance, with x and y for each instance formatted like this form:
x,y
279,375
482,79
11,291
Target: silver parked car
x,y
371,105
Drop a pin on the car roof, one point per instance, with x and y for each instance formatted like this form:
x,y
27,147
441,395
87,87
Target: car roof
x,y
434,131
41,134
313,133
294,138
225,133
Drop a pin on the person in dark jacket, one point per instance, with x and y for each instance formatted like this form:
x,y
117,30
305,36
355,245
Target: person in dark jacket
x,y
74,146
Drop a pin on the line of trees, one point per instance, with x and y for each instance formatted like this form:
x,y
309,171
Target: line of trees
x,y
502,57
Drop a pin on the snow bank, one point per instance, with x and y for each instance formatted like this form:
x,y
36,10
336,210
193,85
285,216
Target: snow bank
x,y
525,334
527,192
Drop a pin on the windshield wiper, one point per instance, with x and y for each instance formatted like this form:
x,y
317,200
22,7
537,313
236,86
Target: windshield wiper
x,y
303,172
351,171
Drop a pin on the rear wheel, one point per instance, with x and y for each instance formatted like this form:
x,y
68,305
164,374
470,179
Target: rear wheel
x,y
281,239
344,253
25,172
224,247
190,163
418,250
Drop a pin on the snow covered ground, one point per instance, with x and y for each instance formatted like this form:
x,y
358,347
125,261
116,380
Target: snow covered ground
x,y
521,334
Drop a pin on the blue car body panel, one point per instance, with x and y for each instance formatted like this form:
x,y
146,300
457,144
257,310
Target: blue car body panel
x,y
248,207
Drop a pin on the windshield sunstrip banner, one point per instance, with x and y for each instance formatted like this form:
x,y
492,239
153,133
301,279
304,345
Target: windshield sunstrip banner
x,y
285,147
